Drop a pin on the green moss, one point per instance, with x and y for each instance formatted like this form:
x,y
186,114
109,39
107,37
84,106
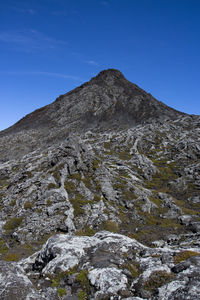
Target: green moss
x,y
95,164
56,175
13,202
133,269
124,155
55,281
76,176
97,198
184,255
82,295
70,187
12,257
39,210
28,205
51,186
82,278
160,180
12,223
157,279
87,182
3,247
78,201
61,292
48,202
155,200
106,145
109,226
87,230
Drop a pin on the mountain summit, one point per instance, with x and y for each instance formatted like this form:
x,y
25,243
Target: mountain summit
x,y
107,102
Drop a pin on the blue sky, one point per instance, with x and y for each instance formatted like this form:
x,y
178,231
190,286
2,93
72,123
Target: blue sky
x,y
48,47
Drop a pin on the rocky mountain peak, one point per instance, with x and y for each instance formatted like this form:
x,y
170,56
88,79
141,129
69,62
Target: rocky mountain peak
x,y
107,102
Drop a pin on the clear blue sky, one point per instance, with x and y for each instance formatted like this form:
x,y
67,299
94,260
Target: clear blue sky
x,y
48,47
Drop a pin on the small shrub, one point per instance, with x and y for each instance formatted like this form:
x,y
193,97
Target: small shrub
x,y
95,164
82,278
87,182
157,279
76,176
97,198
184,255
61,292
13,202
70,187
28,205
51,186
48,202
12,223
132,269
82,295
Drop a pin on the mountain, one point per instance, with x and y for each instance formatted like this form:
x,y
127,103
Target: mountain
x,y
100,197
107,102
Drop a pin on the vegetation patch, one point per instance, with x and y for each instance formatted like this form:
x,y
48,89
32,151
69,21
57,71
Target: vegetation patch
x,y
157,279
95,164
51,186
82,278
76,176
28,205
184,255
70,187
13,202
11,257
109,226
133,269
82,295
87,230
12,224
61,292
3,247
48,202
124,155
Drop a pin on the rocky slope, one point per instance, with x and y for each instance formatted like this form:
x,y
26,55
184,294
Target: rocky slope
x,y
106,181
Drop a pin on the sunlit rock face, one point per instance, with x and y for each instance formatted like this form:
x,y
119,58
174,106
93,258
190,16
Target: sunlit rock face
x,y
99,198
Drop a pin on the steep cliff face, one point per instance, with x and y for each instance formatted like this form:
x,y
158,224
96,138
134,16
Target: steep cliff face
x,y
110,178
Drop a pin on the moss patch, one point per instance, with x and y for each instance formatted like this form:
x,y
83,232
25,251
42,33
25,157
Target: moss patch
x,y
157,279
28,205
12,224
109,226
11,257
82,278
184,255
3,247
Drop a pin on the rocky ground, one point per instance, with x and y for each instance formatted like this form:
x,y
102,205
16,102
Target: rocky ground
x,y
108,212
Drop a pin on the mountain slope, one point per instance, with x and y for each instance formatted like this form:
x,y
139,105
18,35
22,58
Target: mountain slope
x,y
109,178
